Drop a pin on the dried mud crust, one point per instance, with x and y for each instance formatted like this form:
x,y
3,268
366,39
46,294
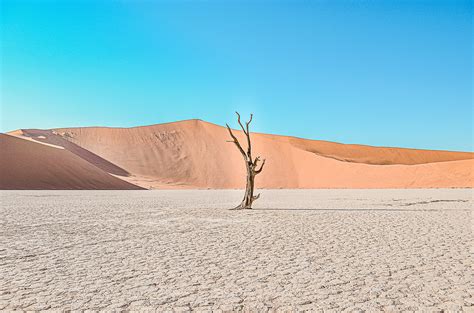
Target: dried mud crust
x,y
377,250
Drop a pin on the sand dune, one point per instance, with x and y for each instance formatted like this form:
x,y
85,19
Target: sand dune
x,y
377,155
30,165
195,154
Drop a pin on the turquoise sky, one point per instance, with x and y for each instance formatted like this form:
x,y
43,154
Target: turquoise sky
x,y
388,73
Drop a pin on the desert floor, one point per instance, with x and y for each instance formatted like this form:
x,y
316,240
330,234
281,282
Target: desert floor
x,y
298,249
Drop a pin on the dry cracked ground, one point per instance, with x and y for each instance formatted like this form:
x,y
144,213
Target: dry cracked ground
x,y
331,250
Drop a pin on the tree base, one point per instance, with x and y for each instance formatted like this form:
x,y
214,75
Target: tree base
x,y
246,204
241,208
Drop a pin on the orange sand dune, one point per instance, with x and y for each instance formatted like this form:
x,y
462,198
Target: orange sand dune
x,y
195,154
377,155
30,165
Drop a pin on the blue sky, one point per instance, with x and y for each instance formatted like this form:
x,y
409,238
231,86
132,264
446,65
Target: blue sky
x,y
387,73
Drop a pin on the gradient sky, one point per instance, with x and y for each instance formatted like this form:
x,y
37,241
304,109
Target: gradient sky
x,y
385,73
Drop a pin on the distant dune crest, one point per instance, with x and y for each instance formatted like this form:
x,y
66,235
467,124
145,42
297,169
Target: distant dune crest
x,y
195,154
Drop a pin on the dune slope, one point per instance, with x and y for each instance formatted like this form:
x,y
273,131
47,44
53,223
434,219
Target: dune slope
x,y
31,165
377,155
195,154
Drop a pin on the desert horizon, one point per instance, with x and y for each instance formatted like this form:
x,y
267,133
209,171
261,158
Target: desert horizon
x,y
186,154
184,120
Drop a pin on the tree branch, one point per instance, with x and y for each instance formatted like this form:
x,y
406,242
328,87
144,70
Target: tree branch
x,y
256,161
261,168
249,146
248,123
236,141
240,123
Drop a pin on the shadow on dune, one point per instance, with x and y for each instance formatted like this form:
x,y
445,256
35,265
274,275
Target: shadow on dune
x,y
48,136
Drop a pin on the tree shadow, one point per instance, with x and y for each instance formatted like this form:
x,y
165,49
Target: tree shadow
x,y
358,210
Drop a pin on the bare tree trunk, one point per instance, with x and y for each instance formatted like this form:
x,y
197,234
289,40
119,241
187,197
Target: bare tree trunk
x,y
251,165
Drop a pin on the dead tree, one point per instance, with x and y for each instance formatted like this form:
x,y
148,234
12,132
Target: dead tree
x,y
251,164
